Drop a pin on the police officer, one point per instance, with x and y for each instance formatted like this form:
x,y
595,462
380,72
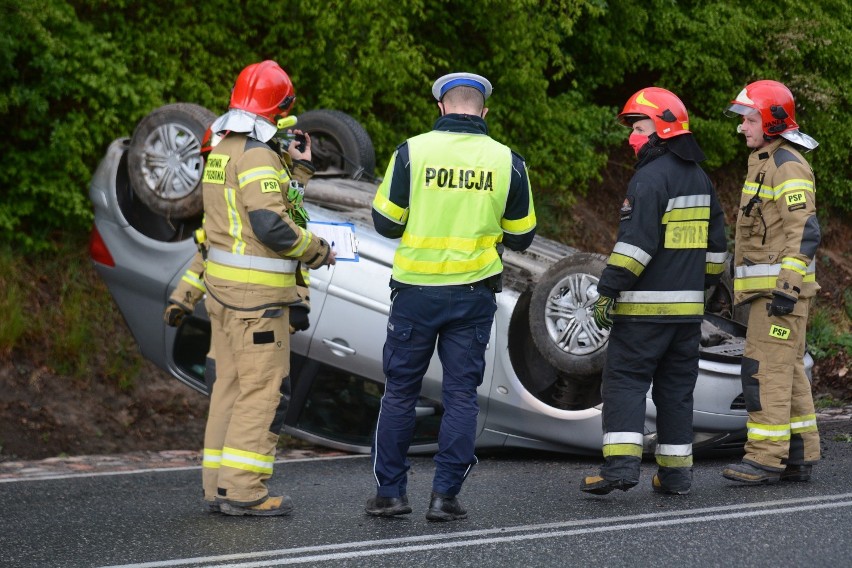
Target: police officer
x,y
777,237
253,248
670,247
455,197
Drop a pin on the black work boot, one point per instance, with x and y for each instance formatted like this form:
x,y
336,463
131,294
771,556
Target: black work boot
x,y
387,506
445,508
796,472
749,474
658,487
597,485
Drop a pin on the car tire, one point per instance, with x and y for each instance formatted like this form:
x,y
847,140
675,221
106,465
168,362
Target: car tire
x,y
164,159
560,315
339,144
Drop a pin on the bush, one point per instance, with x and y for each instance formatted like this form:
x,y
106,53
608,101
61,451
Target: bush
x,y
83,72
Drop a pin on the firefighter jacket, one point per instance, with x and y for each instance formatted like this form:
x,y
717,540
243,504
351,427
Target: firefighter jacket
x,y
253,245
777,229
454,195
671,242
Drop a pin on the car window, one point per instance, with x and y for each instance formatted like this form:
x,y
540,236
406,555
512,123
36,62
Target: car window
x,y
191,344
340,406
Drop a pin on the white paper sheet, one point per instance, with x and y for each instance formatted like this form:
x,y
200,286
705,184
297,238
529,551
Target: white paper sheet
x,y
341,237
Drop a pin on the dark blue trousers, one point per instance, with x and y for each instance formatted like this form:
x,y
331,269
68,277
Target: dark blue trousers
x,y
663,356
459,319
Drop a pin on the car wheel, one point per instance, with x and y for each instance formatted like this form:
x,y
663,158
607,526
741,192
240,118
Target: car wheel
x,y
164,159
560,315
339,144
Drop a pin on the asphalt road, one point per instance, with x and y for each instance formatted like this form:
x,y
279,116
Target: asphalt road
x,y
525,510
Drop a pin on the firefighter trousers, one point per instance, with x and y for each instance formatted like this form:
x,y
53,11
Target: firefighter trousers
x,y
247,401
782,426
664,357
459,318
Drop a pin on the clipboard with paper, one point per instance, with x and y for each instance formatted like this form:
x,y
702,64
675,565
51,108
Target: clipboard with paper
x,y
341,237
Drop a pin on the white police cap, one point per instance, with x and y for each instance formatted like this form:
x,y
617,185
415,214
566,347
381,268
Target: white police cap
x,y
447,82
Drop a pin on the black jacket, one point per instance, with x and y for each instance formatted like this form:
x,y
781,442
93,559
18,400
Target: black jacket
x,y
671,241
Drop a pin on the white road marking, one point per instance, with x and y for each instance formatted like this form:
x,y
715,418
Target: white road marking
x,y
504,535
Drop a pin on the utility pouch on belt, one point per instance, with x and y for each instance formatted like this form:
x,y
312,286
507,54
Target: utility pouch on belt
x,y
495,283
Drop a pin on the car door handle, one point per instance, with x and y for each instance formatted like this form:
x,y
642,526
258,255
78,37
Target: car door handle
x,y
338,348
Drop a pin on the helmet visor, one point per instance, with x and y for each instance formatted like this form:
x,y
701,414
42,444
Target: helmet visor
x,y
743,110
630,118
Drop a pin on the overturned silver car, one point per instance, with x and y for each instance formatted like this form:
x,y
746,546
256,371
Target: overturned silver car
x,y
542,381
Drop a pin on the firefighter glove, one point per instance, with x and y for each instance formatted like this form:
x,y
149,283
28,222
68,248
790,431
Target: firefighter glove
x,y
174,314
781,305
603,307
299,318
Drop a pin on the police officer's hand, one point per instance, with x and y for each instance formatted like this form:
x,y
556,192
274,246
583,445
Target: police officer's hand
x,y
781,305
174,314
603,308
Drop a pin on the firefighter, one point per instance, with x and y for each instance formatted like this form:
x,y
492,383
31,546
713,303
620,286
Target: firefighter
x,y
670,248
777,236
253,250
455,197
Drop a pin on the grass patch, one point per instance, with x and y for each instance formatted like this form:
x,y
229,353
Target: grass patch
x,y
11,303
825,337
843,438
57,313
827,401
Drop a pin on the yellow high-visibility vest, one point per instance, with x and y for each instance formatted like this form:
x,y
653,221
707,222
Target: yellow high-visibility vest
x,y
459,186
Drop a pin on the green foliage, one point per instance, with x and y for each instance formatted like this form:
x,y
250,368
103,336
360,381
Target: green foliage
x,y
823,336
83,72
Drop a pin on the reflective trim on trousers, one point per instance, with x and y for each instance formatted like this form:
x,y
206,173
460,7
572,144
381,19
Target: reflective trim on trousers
x,y
212,458
247,461
799,424
768,431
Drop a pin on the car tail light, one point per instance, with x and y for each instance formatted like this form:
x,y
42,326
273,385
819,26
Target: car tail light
x,y
98,249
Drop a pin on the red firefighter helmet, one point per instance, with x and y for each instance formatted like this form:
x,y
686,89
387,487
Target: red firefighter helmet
x,y
773,101
265,90
662,106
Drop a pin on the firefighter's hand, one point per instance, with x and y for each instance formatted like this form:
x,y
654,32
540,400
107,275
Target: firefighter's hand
x,y
331,259
299,319
781,305
174,314
602,309
299,150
